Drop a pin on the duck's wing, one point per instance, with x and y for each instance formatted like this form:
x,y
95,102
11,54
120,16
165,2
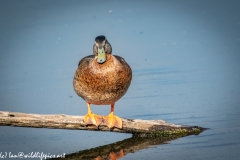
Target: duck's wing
x,y
122,61
118,57
86,59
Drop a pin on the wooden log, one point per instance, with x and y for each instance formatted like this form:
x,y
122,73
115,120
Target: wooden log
x,y
139,128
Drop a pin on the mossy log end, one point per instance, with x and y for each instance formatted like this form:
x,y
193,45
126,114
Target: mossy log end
x,y
137,127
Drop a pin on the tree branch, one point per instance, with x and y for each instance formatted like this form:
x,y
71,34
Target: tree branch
x,y
139,128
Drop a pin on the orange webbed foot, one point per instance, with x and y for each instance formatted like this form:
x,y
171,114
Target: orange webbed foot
x,y
91,118
113,121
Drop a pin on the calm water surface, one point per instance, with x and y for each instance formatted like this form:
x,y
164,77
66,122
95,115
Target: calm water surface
x,y
185,61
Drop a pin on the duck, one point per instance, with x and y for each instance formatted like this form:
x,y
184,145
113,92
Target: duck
x,y
102,79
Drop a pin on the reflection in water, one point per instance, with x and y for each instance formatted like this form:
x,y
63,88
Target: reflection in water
x,y
119,149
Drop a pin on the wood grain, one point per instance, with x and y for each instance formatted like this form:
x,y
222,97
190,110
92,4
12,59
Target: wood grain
x,y
137,127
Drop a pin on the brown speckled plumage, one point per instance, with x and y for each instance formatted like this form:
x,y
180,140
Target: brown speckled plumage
x,y
102,83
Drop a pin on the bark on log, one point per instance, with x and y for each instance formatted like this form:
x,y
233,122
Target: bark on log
x,y
139,128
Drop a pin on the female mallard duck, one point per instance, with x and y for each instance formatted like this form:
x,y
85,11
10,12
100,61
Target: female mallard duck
x,y
102,79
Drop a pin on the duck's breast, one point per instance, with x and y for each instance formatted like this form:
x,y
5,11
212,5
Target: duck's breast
x,y
103,83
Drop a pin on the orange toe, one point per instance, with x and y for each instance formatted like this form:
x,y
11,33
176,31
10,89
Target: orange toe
x,y
116,155
113,121
120,154
91,118
113,156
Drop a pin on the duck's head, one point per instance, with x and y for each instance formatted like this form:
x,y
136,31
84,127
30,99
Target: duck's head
x,y
101,47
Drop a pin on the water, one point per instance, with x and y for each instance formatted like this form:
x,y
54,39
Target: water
x,y
185,61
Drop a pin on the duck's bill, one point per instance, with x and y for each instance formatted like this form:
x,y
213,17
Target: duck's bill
x,y
101,56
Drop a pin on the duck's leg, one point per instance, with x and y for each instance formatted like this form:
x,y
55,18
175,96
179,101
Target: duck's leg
x,y
111,120
91,118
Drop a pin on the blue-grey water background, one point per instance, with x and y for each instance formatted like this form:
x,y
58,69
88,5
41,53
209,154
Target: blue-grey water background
x,y
185,57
